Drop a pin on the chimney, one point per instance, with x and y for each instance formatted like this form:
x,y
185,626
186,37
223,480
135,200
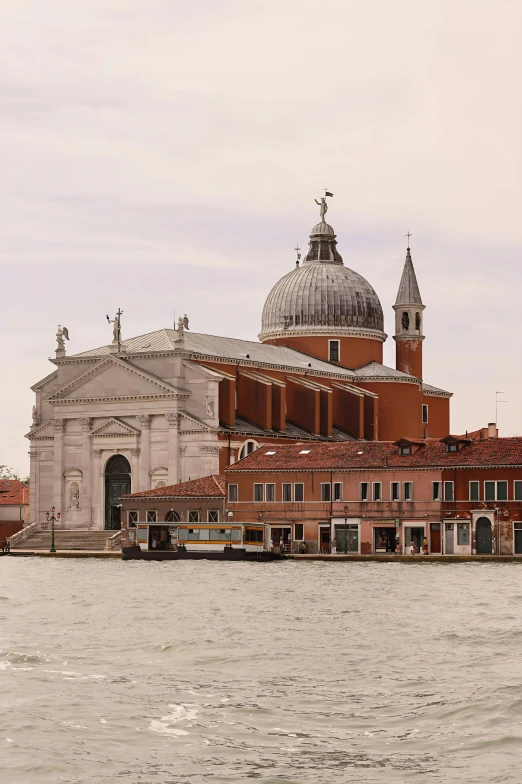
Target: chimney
x,y
492,429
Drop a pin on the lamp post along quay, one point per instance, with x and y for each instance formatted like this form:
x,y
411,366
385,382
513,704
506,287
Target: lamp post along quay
x,y
345,530
52,517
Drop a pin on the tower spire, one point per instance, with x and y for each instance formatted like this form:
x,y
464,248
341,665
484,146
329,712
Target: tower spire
x,y
408,321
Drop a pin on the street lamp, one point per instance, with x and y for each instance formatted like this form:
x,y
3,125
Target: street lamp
x,y
345,530
52,518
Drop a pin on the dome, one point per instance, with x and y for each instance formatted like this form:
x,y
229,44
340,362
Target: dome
x,y
322,296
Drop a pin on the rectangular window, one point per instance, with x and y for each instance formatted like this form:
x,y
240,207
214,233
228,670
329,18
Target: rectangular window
x,y
299,492
287,492
333,348
193,516
405,450
474,491
517,491
448,491
152,516
395,492
502,491
364,491
489,491
232,492
377,491
213,516
259,494
326,492
132,517
408,491
270,492
435,491
424,414
299,532
338,491
463,533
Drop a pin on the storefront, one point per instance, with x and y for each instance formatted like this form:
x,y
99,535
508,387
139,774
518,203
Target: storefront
x,y
284,532
346,534
457,537
384,536
413,535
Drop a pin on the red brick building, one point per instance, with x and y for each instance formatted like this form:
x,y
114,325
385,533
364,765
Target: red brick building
x,y
14,507
464,494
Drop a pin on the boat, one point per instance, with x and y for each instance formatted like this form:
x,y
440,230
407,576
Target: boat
x,y
199,541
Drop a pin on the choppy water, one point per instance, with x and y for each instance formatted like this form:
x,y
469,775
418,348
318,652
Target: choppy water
x,y
292,672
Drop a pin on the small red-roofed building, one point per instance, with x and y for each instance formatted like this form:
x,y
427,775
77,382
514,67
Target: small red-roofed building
x,y
14,507
152,515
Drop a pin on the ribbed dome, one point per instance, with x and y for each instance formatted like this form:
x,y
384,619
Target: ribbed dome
x,y
322,294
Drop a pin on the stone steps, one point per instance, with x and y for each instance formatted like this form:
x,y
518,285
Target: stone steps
x,y
66,540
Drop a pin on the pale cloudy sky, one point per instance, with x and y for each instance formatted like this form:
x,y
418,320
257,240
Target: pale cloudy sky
x,y
158,154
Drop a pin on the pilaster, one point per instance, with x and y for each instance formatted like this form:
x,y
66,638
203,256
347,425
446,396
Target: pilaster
x,y
58,481
86,502
173,440
97,494
141,480
135,467
34,495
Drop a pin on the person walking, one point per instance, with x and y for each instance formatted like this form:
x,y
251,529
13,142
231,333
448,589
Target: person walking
x,y
425,546
282,546
413,548
333,547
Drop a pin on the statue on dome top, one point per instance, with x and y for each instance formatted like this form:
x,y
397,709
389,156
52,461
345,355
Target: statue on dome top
x,y
323,206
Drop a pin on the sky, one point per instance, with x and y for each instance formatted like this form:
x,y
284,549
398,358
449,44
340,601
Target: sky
x,y
164,157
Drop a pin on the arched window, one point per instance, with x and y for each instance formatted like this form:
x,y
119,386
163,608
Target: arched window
x,y
172,517
161,484
247,448
417,322
405,321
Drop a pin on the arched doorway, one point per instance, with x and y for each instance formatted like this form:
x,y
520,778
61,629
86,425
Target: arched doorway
x,y
483,536
117,483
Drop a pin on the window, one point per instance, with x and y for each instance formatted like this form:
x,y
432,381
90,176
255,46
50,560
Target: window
x,y
463,533
305,451
502,491
259,494
299,492
299,531
517,494
247,448
152,516
326,492
232,492
213,516
338,491
172,517
405,321
424,414
435,491
287,492
271,452
405,450
474,491
395,492
377,491
448,491
333,350
270,492
193,516
452,447
489,491
408,491
418,325
364,491
132,518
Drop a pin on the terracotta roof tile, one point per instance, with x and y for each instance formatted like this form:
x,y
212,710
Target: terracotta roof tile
x,y
212,486
13,493
379,454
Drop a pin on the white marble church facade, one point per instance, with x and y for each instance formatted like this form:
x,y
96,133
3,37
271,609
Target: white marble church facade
x,y
157,411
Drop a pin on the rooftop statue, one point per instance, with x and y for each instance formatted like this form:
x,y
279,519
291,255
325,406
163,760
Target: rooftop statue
x,y
62,333
323,206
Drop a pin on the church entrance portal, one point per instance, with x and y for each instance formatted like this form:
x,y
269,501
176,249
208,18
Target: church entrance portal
x,y
117,483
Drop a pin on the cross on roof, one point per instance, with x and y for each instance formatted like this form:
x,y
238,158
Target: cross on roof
x,y
409,234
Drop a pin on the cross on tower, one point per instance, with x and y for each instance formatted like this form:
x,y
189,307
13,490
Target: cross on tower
x,y
408,235
297,249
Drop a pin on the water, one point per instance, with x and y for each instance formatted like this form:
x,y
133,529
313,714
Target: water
x,y
291,672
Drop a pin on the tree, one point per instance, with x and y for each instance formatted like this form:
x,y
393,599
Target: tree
x,y
6,472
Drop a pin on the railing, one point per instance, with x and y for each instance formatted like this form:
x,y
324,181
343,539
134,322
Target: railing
x,y
113,542
34,528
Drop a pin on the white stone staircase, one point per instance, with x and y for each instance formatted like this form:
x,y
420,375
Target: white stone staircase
x,y
93,541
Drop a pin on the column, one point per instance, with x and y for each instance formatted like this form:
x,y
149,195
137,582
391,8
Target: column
x,y
173,439
135,468
34,495
86,489
97,491
142,480
58,494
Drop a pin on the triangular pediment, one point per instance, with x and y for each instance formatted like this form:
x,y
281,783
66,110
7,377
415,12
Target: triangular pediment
x,y
46,430
115,427
191,422
114,379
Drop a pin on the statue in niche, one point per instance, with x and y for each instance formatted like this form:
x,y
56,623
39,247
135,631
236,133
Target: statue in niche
x,y
405,321
35,416
209,406
75,495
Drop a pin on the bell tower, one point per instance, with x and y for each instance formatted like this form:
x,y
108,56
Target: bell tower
x,y
409,322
